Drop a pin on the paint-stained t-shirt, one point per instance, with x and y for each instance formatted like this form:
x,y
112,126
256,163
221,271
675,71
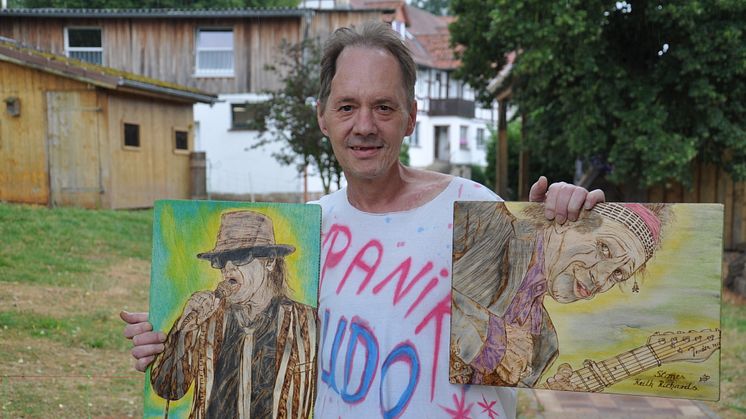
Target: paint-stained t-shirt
x,y
384,308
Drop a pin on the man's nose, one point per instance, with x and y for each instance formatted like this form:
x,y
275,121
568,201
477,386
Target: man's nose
x,y
365,123
229,266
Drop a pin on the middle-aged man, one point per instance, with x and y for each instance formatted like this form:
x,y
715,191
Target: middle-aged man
x,y
384,295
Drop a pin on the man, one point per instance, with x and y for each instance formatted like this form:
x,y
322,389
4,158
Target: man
x,y
502,333
384,297
239,344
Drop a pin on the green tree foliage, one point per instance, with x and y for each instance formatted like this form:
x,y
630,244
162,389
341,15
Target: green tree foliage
x,y
150,4
289,116
644,87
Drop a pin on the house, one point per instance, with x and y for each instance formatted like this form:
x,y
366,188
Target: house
x,y
221,51
81,134
452,128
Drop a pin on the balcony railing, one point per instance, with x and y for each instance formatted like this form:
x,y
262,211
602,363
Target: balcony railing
x,y
451,107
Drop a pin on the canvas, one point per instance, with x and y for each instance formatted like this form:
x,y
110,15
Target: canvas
x,y
624,300
234,287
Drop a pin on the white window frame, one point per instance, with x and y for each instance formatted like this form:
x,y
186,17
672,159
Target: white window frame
x,y
68,48
201,72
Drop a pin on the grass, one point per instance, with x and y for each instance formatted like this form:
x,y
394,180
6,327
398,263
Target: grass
x,y
66,273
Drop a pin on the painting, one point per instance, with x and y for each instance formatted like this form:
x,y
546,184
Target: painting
x,y
624,300
234,288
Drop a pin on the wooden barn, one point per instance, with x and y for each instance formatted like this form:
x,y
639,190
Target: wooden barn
x,y
78,134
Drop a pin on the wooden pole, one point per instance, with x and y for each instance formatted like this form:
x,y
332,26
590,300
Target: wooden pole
x,y
501,172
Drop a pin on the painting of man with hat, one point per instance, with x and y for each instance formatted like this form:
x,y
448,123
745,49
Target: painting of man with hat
x,y
244,347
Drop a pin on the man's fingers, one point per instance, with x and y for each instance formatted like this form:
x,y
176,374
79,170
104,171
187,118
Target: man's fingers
x,y
559,198
538,190
132,318
132,330
577,199
148,338
564,371
144,351
142,363
594,197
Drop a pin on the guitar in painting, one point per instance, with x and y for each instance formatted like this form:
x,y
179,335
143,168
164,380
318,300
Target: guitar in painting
x,y
661,348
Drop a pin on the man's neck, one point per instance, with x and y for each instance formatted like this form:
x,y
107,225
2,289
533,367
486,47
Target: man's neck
x,y
402,189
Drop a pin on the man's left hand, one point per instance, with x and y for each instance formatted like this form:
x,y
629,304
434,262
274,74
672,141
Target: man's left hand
x,y
563,201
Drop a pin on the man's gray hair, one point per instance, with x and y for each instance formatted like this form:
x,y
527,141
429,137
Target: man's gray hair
x,y
371,35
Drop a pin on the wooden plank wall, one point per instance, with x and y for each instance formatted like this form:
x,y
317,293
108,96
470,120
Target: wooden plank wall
x,y
164,49
24,174
137,177
711,184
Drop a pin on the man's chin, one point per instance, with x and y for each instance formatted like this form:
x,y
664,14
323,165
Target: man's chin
x,y
563,296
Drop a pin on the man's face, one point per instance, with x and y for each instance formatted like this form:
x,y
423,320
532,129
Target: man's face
x,y
580,264
366,115
241,282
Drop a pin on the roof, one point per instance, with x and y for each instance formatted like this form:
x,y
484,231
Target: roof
x,y
428,36
156,13
97,75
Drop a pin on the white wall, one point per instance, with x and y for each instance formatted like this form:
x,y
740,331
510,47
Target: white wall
x,y
424,154
233,167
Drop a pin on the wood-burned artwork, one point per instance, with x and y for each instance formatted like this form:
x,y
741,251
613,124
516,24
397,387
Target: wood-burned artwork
x,y
234,287
624,300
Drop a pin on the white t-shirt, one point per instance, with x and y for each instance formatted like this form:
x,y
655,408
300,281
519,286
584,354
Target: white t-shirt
x,y
384,308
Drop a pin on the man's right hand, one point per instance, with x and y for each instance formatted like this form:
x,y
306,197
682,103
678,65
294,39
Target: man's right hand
x,y
147,343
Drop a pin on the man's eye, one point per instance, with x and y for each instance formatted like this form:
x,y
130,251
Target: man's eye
x,y
345,108
385,108
604,249
617,276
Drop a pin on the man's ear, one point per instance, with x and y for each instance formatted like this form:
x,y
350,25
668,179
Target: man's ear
x,y
320,118
271,264
411,118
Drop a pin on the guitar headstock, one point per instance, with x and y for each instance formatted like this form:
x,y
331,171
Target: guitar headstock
x,y
692,346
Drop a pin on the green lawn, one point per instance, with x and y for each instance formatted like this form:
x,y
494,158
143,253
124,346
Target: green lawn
x,y
66,273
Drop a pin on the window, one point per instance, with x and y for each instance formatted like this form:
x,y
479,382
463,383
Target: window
x,y
214,52
480,138
84,44
131,135
181,140
463,140
247,116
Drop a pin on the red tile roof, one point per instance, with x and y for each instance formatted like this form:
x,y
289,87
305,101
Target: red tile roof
x,y
430,40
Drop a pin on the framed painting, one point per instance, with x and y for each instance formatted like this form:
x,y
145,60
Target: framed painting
x,y
234,288
624,300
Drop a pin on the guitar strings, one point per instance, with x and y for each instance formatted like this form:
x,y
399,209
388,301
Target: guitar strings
x,y
655,354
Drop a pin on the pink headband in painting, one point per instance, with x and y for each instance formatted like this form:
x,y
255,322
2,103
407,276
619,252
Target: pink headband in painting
x,y
639,219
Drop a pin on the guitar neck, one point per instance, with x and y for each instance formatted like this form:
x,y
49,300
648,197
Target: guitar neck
x,y
595,376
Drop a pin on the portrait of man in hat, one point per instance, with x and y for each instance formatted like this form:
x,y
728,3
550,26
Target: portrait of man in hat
x,y
504,266
246,348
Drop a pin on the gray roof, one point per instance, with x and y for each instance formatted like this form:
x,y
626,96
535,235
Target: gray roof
x,y
156,13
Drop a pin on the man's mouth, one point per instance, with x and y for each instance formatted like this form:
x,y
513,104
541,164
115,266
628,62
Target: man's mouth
x,y
366,148
581,291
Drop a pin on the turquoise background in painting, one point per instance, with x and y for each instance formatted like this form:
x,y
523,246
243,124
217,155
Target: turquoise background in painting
x,y
182,229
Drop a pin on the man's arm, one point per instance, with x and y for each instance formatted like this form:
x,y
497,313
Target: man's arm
x,y
563,201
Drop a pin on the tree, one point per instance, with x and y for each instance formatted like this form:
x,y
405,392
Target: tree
x,y
289,116
150,4
643,87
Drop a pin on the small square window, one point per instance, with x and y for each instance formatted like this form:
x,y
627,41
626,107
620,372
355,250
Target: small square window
x,y
480,138
84,44
181,139
463,138
214,52
131,135
247,116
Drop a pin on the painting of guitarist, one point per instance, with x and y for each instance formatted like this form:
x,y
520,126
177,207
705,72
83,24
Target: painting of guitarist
x,y
600,304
